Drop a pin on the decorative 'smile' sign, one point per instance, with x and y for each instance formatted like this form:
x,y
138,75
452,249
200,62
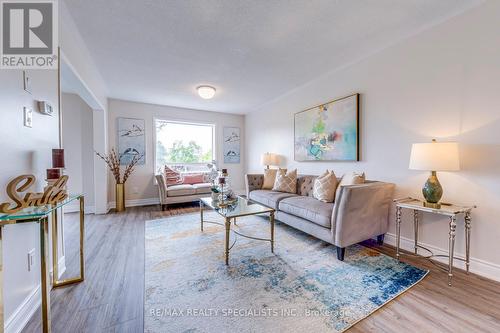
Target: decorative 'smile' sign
x,y
52,194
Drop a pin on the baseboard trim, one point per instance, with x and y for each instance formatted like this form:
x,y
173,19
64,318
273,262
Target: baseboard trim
x,y
18,320
75,207
136,202
477,266
61,266
149,201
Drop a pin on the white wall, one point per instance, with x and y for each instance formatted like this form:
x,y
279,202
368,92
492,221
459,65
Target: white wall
x,y
141,181
25,151
77,61
443,83
77,133
28,151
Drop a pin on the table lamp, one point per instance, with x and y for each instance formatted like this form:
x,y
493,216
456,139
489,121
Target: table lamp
x,y
268,159
433,157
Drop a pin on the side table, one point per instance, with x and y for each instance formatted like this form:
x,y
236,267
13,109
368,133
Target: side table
x,y
40,214
449,210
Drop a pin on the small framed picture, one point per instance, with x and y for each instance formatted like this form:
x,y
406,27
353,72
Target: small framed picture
x,y
28,117
27,82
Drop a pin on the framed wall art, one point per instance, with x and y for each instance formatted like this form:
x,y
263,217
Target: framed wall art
x,y
131,139
231,144
328,132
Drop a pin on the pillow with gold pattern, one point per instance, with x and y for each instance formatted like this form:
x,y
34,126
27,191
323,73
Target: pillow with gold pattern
x,y
269,178
325,187
286,181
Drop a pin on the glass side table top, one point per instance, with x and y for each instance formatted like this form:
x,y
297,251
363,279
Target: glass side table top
x,y
30,213
239,207
446,209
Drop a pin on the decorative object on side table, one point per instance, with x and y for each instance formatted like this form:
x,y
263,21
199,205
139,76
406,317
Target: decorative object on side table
x,y
446,209
52,194
58,166
112,159
434,156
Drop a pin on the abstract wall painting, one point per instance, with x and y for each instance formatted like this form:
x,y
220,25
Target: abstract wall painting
x,y
131,139
328,132
231,144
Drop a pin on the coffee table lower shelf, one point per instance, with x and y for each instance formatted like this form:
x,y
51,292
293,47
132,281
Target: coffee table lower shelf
x,y
227,224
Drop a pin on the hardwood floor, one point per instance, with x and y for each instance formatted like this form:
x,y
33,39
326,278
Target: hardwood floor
x,y
111,297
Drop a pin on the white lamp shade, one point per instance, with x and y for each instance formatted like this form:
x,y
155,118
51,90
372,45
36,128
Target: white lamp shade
x,y
435,156
269,159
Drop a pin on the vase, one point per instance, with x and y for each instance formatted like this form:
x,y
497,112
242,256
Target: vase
x,y
120,197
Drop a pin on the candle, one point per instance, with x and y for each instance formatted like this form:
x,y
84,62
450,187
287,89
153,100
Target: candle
x,y
58,158
53,173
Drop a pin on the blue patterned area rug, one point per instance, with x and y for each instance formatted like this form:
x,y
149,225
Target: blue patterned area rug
x,y
302,287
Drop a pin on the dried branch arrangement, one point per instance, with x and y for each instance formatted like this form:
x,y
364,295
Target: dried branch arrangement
x,y
112,159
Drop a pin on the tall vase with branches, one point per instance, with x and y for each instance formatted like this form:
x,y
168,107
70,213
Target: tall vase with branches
x,y
112,160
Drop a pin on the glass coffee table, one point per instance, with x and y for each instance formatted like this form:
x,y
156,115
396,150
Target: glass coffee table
x,y
232,209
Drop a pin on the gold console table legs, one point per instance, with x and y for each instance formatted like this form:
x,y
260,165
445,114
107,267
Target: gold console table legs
x,y
44,272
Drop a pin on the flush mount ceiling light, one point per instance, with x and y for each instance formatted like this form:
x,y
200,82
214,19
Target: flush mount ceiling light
x,y
206,92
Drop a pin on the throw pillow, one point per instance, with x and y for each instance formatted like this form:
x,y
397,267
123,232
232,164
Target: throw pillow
x,y
172,177
195,178
286,181
325,186
352,178
269,178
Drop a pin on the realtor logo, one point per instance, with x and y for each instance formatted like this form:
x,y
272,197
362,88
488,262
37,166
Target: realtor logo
x,y
29,34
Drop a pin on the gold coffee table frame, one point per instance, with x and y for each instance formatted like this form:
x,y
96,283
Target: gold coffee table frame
x,y
41,215
243,207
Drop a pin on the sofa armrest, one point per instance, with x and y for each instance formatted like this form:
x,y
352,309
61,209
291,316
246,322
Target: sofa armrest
x,y
253,182
361,212
162,189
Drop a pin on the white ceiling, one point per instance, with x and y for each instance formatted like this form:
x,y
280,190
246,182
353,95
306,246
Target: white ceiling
x,y
252,51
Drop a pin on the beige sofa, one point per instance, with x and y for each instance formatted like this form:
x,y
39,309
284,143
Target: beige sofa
x,y
180,193
360,212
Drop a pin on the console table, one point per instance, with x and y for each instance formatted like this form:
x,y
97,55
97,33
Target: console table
x,y
449,210
41,215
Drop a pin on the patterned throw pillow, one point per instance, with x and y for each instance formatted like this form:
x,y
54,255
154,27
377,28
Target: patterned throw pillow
x,y
172,177
325,186
270,178
286,181
352,178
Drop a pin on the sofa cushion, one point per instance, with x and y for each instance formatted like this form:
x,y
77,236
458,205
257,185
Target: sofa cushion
x,y
308,208
202,188
269,198
179,190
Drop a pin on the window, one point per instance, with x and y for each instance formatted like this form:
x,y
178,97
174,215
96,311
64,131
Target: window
x,y
187,147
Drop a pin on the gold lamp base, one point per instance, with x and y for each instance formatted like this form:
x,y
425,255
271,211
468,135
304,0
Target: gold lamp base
x,y
432,205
